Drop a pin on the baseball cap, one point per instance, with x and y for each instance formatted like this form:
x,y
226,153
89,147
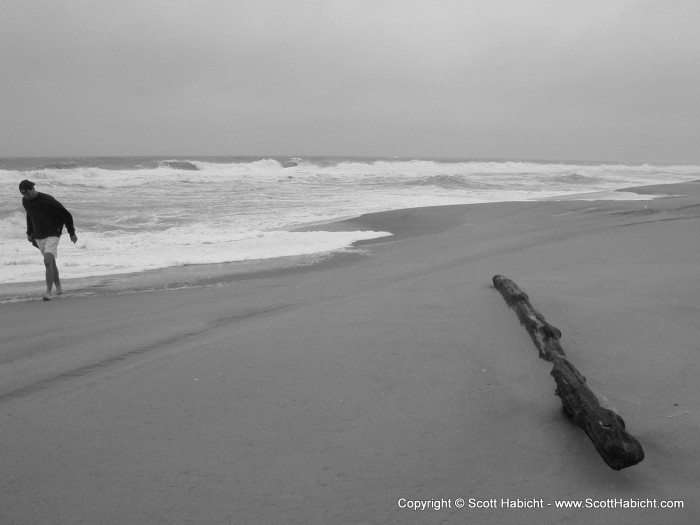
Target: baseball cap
x,y
26,185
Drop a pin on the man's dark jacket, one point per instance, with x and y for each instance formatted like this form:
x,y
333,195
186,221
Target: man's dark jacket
x,y
46,217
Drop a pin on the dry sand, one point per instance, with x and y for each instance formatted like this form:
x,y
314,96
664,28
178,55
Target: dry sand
x,y
326,394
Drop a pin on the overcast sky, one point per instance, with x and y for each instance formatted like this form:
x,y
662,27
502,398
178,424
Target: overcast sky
x,y
530,79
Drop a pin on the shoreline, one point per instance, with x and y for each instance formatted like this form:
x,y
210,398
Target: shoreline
x,y
401,223
326,395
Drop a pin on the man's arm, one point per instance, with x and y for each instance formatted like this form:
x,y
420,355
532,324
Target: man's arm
x,y
30,231
68,221
30,226
65,216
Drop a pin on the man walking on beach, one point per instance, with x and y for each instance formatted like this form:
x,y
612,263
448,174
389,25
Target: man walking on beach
x,y
45,219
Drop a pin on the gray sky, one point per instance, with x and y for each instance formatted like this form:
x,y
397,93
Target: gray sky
x,y
536,79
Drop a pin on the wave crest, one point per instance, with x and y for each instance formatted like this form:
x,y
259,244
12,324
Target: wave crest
x,y
179,165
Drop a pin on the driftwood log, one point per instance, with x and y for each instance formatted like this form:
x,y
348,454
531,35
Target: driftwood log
x,y
604,427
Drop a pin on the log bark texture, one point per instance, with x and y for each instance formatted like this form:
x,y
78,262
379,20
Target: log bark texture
x,y
605,428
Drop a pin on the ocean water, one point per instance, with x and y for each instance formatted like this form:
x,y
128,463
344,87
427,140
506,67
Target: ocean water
x,y
145,213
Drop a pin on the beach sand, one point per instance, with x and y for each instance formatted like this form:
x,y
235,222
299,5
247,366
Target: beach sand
x,y
334,392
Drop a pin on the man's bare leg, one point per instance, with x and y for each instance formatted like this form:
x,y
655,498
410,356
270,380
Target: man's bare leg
x,y
51,272
56,280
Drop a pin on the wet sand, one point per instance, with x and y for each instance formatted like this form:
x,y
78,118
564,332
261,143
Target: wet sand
x,y
337,392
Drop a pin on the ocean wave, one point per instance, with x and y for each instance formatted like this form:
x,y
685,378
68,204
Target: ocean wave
x,y
138,172
60,165
577,178
14,225
179,165
447,182
139,213
95,256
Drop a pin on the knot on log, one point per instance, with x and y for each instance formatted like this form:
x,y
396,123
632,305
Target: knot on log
x,y
605,428
544,335
550,332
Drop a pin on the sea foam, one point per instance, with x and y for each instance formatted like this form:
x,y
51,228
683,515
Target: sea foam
x,y
136,214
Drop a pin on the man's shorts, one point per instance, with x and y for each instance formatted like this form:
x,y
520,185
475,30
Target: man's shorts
x,y
48,245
